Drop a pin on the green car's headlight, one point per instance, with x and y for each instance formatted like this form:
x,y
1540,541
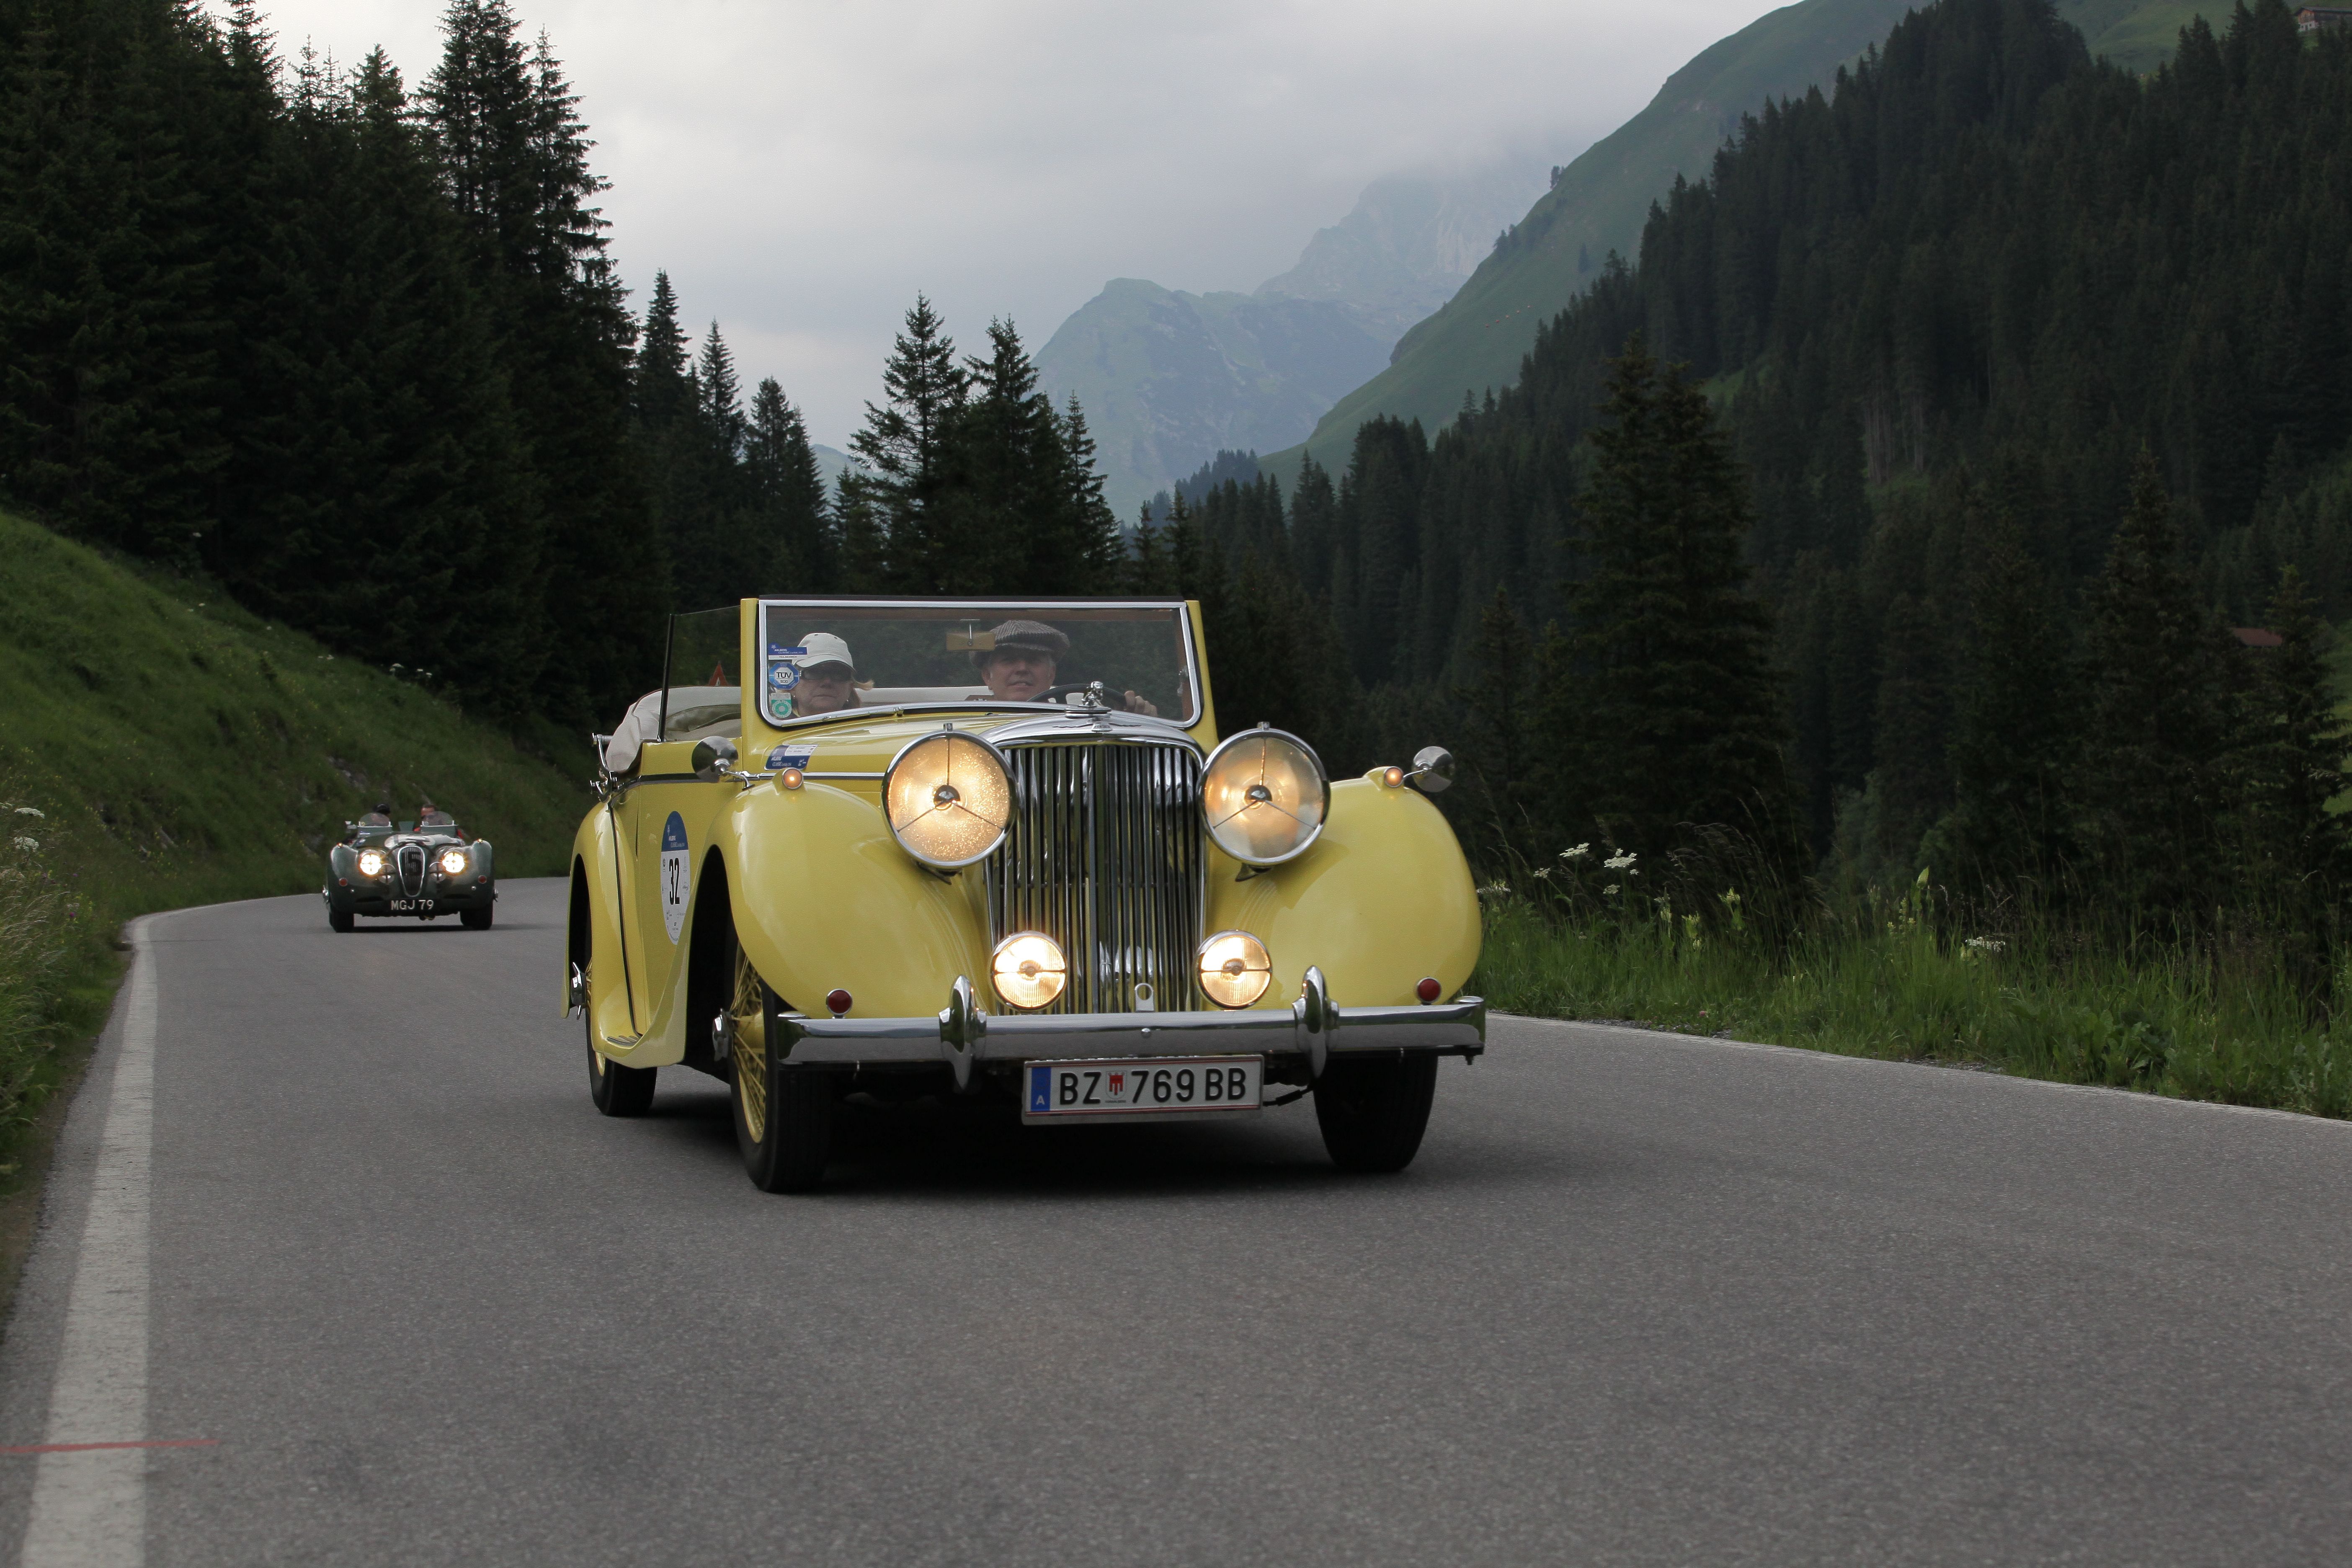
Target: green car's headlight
x,y
371,862
1264,797
948,799
453,862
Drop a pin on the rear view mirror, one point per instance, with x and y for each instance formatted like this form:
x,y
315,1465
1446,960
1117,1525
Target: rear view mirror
x,y
712,759
1433,770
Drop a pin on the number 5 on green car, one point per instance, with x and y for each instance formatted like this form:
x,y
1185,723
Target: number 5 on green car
x,y
916,847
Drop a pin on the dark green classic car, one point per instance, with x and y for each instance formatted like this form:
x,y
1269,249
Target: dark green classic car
x,y
409,870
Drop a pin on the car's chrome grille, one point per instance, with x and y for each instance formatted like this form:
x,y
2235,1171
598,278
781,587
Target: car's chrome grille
x,y
1103,855
411,862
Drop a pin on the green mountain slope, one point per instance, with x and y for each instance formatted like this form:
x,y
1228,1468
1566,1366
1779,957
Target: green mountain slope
x,y
1602,199
188,752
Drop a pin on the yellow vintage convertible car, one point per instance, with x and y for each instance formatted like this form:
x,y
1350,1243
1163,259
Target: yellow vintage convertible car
x,y
902,847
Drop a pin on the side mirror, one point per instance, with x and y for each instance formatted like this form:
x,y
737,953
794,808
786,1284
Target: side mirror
x,y
1433,770
712,759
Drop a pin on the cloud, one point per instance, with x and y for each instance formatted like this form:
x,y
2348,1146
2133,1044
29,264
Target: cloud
x,y
801,168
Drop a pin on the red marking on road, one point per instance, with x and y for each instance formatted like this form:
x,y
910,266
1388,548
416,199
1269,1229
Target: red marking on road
x,y
88,1447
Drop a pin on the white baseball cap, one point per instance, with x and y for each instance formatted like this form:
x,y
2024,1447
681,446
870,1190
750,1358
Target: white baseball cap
x,y
821,648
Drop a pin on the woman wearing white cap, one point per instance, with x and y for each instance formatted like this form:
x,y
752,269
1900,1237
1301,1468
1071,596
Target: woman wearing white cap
x,y
828,676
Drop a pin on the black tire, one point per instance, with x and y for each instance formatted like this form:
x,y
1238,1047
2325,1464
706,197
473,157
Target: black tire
x,y
1373,1113
617,1090
340,920
782,1115
476,920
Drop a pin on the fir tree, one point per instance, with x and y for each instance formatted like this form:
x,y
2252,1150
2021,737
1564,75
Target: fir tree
x,y
789,494
2145,795
903,449
2292,765
1676,716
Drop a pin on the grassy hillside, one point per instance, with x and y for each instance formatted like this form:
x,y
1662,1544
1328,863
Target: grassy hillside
x,y
213,756
164,748
1602,199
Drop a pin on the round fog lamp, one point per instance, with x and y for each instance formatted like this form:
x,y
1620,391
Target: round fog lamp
x,y
453,862
1234,968
371,862
1027,969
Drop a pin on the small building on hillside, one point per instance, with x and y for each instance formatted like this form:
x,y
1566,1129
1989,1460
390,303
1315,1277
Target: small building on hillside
x,y
2311,18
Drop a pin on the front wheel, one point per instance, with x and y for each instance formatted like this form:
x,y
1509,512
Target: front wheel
x,y
784,1115
1373,1113
617,1090
475,919
340,920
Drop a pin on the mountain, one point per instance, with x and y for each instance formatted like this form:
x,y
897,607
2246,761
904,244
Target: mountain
x,y
832,462
1167,379
1599,203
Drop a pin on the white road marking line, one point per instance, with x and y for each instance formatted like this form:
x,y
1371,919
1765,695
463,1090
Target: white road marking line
x,y
89,1507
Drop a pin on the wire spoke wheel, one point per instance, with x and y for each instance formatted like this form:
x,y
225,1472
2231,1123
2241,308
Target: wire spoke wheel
x,y
783,1114
746,1015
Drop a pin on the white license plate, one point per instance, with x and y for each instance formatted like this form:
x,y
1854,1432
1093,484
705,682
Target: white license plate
x,y
1055,1091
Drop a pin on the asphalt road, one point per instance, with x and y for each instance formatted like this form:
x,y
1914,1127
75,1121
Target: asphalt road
x,y
1642,1298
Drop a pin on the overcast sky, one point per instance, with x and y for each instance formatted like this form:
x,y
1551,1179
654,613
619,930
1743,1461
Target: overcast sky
x,y
801,168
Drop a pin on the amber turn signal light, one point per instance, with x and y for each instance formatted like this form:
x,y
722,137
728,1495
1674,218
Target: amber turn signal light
x,y
789,779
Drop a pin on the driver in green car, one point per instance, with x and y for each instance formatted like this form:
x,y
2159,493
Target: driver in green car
x,y
1018,665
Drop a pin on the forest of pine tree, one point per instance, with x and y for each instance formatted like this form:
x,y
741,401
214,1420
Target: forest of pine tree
x,y
2030,380
1893,509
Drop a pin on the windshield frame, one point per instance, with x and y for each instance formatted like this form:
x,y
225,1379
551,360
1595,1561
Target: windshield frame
x,y
1000,606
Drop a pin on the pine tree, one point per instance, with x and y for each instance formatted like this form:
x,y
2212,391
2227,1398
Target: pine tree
x,y
1677,716
2014,729
903,449
789,495
658,393
514,160
1912,783
2145,793
2291,766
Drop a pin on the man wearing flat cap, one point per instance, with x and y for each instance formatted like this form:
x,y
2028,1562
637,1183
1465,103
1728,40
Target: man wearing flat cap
x,y
1018,664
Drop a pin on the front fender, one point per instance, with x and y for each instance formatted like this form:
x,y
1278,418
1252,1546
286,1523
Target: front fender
x,y
610,999
824,898
1383,899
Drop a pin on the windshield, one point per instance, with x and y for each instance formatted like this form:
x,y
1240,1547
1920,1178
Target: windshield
x,y
823,657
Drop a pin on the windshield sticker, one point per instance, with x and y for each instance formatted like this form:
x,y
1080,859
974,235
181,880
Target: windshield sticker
x,y
789,757
780,707
786,675
677,877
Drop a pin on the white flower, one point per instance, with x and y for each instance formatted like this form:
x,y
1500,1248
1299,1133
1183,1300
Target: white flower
x,y
29,811
29,846
1985,944
1610,891
1496,890
1576,853
1622,861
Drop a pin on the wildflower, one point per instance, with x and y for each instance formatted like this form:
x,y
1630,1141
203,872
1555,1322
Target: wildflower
x,y
1576,851
29,846
1621,861
1496,890
29,811
1544,872
1610,891
1985,944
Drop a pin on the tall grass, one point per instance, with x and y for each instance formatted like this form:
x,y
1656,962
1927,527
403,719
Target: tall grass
x,y
2212,1020
55,967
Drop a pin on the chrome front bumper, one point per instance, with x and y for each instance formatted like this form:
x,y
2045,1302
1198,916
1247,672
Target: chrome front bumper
x,y
962,1036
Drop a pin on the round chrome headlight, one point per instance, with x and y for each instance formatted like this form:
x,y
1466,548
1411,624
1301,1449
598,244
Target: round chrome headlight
x,y
1028,969
453,862
1264,796
371,862
1234,968
948,799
